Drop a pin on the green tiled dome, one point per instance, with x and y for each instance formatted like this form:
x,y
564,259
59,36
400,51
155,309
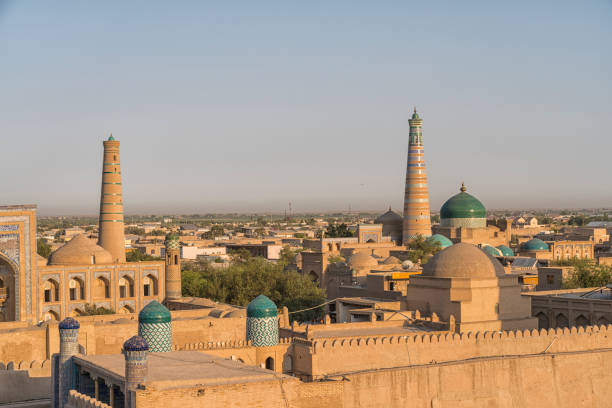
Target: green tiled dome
x,y
535,244
154,312
261,306
444,242
492,250
111,137
462,205
506,251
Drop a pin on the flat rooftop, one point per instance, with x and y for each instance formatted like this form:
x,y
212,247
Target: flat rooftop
x,y
180,369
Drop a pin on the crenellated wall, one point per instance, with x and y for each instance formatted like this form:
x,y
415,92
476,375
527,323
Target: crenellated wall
x,y
78,400
337,356
25,380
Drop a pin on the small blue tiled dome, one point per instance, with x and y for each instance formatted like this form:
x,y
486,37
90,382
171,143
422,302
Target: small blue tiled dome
x,y
154,312
135,343
535,244
69,323
506,251
441,239
261,306
492,250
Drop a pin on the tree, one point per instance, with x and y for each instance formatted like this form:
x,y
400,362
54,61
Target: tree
x,y
338,231
421,249
137,256
157,232
215,231
134,231
435,219
286,256
585,274
92,309
242,282
43,248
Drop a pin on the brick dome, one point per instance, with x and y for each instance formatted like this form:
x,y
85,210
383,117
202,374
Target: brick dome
x,y
463,260
361,260
80,251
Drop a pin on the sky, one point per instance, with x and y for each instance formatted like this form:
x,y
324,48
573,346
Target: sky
x,y
247,106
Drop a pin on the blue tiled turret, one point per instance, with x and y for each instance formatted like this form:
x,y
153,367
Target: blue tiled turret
x,y
262,322
135,352
64,376
154,325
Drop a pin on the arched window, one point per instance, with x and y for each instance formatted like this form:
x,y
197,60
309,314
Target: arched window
x,y
126,287
101,288
51,315
288,364
562,320
126,310
51,291
149,286
582,321
543,321
313,276
270,363
76,289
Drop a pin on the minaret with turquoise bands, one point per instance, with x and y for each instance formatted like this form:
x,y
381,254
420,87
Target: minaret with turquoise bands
x,y
111,233
416,194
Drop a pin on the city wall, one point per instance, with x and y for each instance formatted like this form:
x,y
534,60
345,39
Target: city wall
x,y
328,357
29,379
560,379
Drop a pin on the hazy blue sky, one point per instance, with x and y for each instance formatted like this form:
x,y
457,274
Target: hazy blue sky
x,y
245,106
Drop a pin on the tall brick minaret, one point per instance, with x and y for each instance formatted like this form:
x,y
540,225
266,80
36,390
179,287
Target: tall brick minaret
x,y
112,234
416,195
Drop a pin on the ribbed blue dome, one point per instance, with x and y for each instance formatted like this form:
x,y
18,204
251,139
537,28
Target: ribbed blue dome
x,y
535,244
69,323
492,250
135,343
506,251
154,312
441,239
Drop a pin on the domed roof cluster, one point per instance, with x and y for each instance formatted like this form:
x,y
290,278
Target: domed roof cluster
x,y
462,205
80,251
463,260
506,251
534,244
261,306
441,239
154,312
362,260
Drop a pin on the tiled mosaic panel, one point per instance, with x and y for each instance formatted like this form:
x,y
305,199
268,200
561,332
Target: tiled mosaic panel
x,y
157,335
9,246
9,227
262,331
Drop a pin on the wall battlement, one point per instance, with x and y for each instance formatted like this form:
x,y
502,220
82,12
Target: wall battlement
x,y
322,357
78,400
230,344
35,368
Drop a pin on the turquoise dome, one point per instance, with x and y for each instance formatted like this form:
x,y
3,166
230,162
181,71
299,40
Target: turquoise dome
x,y
261,306
441,239
154,312
506,251
535,244
462,205
492,250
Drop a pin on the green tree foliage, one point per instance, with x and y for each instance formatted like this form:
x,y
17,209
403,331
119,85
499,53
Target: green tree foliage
x,y
157,232
43,248
286,256
421,249
92,309
338,231
215,231
435,219
137,256
586,274
578,220
243,281
134,231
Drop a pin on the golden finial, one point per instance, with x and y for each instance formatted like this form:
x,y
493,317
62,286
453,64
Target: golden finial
x,y
415,109
462,189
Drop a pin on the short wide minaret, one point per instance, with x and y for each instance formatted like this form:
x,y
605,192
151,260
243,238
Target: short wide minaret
x,y
416,194
111,231
173,266
262,322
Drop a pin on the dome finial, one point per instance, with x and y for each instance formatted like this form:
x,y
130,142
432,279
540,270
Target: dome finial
x,y
463,189
111,137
